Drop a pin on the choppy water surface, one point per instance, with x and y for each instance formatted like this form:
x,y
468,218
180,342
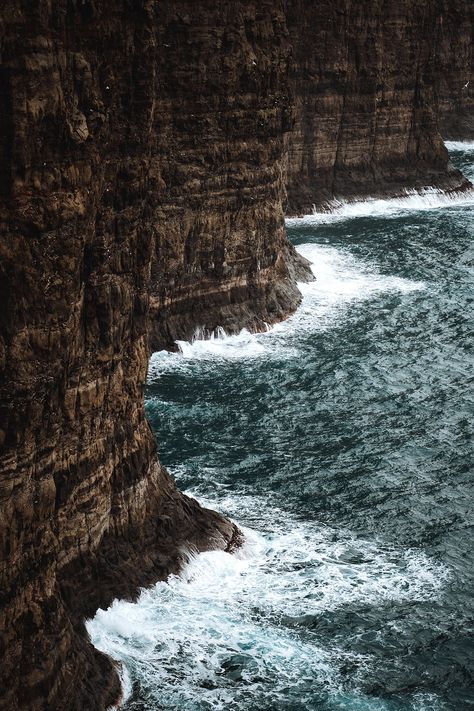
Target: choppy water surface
x,y
342,442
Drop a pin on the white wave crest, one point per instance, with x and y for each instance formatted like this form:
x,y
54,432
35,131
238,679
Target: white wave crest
x,y
340,280
219,344
428,199
460,146
215,349
341,276
233,617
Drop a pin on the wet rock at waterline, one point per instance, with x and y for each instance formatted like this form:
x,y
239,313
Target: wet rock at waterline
x,y
87,512
221,255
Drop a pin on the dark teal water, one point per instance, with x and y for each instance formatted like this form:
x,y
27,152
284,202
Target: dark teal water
x,y
342,441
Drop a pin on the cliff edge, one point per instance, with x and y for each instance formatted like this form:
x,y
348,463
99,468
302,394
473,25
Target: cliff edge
x,y
364,78
455,69
222,109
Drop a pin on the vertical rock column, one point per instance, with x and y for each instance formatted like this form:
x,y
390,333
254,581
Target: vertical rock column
x,y
455,69
222,110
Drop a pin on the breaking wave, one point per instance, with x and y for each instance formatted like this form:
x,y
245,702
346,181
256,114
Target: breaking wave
x,y
236,630
460,146
413,201
340,280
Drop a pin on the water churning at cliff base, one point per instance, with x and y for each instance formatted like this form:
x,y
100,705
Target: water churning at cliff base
x,y
341,441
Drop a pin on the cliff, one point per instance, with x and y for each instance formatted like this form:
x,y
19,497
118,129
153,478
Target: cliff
x,y
222,110
87,512
455,69
335,99
363,76
143,159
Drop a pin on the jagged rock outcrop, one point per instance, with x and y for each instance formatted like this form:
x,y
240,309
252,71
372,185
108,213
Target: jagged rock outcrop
x,y
86,511
363,76
455,69
222,110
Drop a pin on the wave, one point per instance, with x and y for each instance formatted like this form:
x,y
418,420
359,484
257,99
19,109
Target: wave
x,y
428,199
219,344
340,280
216,348
126,685
243,617
460,146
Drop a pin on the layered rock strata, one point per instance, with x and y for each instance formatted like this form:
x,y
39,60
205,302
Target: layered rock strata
x,y
143,161
363,75
86,511
222,110
455,69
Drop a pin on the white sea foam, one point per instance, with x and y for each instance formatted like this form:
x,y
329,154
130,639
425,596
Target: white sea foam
x,y
340,280
126,683
340,275
463,146
413,201
215,349
221,345
234,616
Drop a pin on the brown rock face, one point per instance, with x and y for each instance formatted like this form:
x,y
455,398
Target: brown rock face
x,y
222,110
142,159
455,69
364,85
87,512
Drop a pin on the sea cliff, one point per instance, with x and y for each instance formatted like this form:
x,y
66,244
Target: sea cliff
x,y
455,69
145,152
365,86
87,511
222,110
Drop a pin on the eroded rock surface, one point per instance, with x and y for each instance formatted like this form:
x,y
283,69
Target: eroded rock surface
x,y
455,69
223,108
143,152
87,512
363,76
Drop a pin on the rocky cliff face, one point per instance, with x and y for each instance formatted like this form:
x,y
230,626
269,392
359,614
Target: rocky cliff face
x,y
364,85
222,109
87,512
142,178
455,69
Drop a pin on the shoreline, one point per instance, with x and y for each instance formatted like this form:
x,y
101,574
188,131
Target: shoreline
x,y
326,206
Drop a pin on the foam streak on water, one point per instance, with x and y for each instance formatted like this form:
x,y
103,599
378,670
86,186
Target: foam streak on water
x,y
460,146
413,201
340,280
